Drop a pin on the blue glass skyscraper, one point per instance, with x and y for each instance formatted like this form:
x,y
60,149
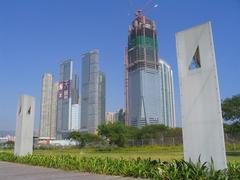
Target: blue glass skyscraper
x,y
142,75
93,93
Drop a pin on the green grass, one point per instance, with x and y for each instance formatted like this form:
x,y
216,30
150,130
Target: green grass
x,y
153,152
164,153
164,156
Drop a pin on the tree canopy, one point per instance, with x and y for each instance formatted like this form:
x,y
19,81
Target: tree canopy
x,y
231,108
118,134
114,132
84,138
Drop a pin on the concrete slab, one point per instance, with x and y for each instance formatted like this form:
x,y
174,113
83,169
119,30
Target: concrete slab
x,y
13,171
201,114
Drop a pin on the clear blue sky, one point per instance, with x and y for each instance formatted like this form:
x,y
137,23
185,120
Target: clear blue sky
x,y
35,36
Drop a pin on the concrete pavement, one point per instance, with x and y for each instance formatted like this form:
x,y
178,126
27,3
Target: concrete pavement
x,y
13,171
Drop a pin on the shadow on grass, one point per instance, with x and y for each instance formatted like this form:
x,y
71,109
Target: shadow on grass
x,y
233,153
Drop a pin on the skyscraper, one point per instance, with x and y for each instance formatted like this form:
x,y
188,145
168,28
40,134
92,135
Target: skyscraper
x,y
54,111
64,101
46,106
76,116
75,89
142,87
101,95
93,92
76,111
167,94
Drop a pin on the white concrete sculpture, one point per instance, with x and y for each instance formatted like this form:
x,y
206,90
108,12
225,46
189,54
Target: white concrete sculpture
x,y
200,100
24,125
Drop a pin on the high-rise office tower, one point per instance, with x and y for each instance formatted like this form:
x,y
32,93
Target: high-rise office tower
x,y
64,100
76,116
101,95
167,94
75,89
76,111
54,111
46,106
93,92
142,87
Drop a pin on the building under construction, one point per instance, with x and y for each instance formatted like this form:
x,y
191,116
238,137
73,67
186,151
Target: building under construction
x,y
142,77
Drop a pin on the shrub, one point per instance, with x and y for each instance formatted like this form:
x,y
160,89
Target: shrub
x,y
144,168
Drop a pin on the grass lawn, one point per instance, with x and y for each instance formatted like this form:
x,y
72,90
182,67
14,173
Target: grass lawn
x,y
164,156
166,153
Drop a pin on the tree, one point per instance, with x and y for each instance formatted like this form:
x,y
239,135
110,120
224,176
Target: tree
x,y
84,138
76,136
116,133
91,138
231,108
133,132
153,131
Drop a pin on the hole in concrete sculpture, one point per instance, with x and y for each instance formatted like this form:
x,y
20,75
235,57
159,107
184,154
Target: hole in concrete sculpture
x,y
19,111
29,110
195,63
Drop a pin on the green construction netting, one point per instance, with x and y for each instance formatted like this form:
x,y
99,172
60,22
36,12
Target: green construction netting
x,y
139,41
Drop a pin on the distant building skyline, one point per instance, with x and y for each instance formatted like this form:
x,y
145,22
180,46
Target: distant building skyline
x,y
109,117
60,108
116,116
41,40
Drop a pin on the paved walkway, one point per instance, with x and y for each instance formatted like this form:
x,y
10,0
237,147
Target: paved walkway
x,y
13,171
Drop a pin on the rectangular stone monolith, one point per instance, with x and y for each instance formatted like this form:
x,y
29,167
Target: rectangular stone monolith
x,y
24,125
201,113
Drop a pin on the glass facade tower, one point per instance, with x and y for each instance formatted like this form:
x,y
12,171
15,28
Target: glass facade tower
x,y
93,92
101,101
54,110
167,94
64,100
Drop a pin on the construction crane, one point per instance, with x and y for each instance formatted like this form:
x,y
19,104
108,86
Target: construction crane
x,y
147,8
